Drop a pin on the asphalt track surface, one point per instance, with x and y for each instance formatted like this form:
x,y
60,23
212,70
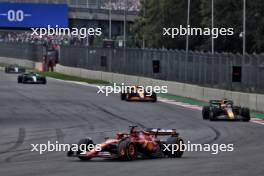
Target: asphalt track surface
x,y
31,114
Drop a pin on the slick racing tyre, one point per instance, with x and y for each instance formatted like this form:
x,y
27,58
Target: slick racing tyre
x,y
206,112
245,113
175,143
19,79
126,150
212,115
123,96
154,97
44,81
83,142
128,97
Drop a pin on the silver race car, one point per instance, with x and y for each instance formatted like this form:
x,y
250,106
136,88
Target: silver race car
x,y
14,69
31,78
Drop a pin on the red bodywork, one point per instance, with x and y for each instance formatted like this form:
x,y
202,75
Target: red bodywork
x,y
146,143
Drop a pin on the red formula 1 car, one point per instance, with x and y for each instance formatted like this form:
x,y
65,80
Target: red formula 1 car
x,y
135,144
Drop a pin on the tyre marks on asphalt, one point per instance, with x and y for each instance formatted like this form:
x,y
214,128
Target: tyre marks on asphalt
x,y
217,135
27,151
119,117
20,140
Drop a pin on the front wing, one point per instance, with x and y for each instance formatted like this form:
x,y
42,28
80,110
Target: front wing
x,y
226,117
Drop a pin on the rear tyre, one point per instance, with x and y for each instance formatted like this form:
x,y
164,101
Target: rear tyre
x,y
154,97
245,113
23,80
127,150
174,141
81,144
44,81
123,96
128,96
19,79
206,112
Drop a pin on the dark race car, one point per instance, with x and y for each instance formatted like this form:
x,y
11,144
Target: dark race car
x,y
225,110
14,69
31,78
137,93
135,144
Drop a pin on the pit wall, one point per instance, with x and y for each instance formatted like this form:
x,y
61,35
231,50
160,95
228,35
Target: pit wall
x,y
252,101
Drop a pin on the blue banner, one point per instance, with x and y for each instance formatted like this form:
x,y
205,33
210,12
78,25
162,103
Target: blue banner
x,y
29,15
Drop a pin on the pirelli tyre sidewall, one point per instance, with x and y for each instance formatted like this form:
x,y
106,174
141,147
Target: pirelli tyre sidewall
x,y
126,150
85,141
213,114
19,79
123,96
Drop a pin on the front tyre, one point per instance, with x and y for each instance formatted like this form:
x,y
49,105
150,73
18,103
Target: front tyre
x,y
206,112
127,150
213,115
81,144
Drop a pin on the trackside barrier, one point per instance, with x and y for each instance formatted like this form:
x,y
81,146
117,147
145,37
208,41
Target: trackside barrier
x,y
253,101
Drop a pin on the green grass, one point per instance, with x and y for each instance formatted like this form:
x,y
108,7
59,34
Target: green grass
x,y
257,115
69,77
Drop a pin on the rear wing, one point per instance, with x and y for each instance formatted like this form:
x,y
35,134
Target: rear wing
x,y
218,102
162,132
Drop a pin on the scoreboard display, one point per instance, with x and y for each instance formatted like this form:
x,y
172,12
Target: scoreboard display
x,y
30,15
